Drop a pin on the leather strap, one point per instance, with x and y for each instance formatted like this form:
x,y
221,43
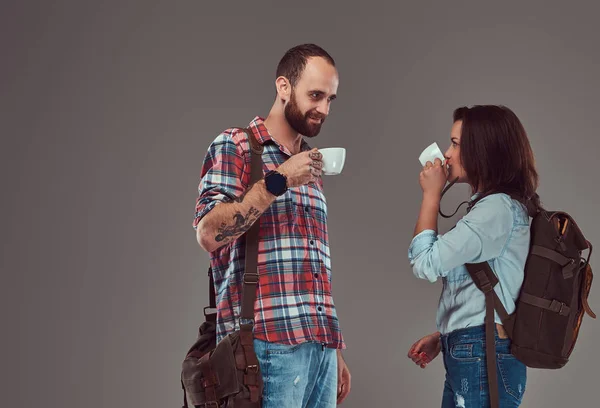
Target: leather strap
x,y
552,305
210,379
251,372
250,278
485,279
587,282
212,303
568,264
251,270
482,275
250,281
490,350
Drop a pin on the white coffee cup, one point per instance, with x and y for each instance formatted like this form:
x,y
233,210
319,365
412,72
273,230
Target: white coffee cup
x,y
430,153
333,160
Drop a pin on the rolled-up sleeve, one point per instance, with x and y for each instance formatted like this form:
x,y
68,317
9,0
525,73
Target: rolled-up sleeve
x,y
423,243
479,236
221,179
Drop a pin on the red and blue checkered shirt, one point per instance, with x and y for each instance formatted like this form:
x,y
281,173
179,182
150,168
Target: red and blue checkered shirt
x,y
294,302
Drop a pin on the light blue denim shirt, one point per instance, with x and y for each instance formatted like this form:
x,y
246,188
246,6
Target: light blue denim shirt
x,y
495,230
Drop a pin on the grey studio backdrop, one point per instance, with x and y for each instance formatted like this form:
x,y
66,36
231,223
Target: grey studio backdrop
x,y
107,109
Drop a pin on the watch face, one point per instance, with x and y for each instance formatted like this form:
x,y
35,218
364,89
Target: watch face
x,y
276,183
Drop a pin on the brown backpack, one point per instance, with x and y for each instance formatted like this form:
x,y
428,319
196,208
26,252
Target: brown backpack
x,y
228,374
545,324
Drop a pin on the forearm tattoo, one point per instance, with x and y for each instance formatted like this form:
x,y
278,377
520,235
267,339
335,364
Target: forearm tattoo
x,y
241,224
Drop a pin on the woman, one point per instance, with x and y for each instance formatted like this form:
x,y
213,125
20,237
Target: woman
x,y
491,152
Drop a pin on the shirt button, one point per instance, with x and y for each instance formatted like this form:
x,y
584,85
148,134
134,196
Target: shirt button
x,y
312,242
307,209
317,275
319,308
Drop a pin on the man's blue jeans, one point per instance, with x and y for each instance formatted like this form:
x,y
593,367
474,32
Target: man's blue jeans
x,y
299,376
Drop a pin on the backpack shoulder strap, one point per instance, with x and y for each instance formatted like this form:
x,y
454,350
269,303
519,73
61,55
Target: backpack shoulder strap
x,y
251,270
485,280
250,278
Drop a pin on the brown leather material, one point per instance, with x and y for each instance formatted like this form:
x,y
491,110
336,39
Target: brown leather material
x,y
586,291
250,282
554,297
211,317
552,305
228,373
550,254
485,280
251,236
568,264
490,350
209,379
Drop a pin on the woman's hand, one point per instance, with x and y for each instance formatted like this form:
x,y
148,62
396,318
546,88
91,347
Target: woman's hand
x,y
425,349
433,177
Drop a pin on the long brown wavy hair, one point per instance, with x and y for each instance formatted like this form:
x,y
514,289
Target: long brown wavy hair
x,y
496,154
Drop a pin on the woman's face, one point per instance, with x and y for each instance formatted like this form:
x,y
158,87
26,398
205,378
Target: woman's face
x,y
452,155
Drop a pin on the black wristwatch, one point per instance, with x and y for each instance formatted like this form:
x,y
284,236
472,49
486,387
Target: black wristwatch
x,y
276,183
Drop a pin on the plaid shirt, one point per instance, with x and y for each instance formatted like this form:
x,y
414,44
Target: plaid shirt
x,y
294,302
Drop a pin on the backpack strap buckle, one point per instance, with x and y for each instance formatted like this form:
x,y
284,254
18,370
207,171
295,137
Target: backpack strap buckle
x,y
483,281
251,278
568,264
253,368
569,269
559,307
552,305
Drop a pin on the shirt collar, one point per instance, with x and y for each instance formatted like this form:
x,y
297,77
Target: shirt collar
x,y
260,130
263,136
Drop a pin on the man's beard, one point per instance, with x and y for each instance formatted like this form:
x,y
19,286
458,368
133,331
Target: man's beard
x,y
301,122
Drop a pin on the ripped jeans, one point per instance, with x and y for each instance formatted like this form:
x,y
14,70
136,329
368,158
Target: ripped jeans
x,y
299,376
466,383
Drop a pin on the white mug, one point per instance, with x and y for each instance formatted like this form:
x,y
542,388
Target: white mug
x,y
333,160
430,153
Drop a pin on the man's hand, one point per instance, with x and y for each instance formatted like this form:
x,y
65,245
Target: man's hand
x,y
302,168
343,378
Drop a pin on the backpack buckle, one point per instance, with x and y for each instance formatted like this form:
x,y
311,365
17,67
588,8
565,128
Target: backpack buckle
x,y
559,307
484,283
569,269
208,307
252,368
250,277
487,287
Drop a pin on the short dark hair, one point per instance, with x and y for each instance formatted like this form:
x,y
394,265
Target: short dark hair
x,y
496,154
294,60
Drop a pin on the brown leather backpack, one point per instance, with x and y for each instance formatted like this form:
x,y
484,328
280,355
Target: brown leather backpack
x,y
545,324
228,374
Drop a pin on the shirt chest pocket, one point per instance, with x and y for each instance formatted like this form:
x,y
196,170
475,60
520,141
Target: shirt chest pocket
x,y
311,211
300,213
290,216
281,216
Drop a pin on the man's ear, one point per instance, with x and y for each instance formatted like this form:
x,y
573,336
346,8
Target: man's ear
x,y
284,88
